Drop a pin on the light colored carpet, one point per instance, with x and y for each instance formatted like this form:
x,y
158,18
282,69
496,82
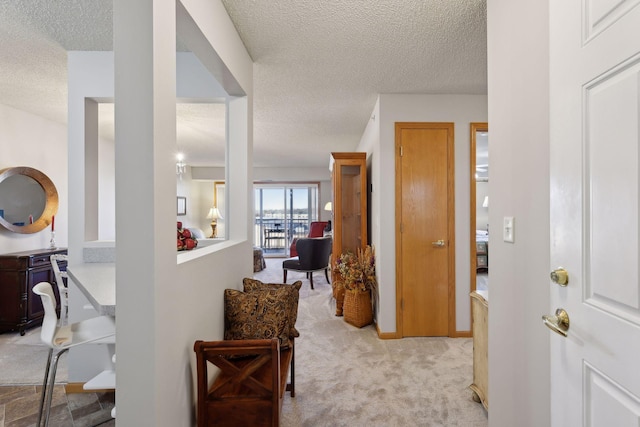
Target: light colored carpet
x,y
347,376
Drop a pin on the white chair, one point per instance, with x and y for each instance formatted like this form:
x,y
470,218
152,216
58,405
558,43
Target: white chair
x,y
97,330
62,288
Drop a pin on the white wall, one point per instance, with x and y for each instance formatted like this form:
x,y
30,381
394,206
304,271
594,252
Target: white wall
x,y
459,109
200,201
106,190
29,140
518,60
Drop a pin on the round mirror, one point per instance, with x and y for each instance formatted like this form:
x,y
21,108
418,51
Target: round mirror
x,y
28,199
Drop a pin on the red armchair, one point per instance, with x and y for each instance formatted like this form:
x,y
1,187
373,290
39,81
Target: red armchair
x,y
316,229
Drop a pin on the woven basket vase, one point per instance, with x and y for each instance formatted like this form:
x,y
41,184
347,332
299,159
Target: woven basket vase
x,y
357,308
338,294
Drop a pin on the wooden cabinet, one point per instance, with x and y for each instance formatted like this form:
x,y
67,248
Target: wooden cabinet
x,y
349,179
480,311
20,308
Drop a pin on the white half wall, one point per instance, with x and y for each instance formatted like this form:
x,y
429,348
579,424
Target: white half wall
x,y
165,300
379,144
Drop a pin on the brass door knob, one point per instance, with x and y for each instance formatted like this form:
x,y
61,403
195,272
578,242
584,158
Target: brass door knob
x,y
439,243
560,276
558,323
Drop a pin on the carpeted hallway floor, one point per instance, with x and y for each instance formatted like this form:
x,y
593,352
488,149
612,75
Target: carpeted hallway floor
x,y
345,376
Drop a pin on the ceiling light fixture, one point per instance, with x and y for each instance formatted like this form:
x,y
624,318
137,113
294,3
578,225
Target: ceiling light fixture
x,y
181,166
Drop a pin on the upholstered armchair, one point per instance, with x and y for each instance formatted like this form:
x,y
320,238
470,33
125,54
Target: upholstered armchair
x,y
316,229
313,255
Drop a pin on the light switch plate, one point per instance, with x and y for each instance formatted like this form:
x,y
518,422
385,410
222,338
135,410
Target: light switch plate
x,y
508,229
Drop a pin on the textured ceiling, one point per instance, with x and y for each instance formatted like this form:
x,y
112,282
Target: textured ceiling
x,y
318,65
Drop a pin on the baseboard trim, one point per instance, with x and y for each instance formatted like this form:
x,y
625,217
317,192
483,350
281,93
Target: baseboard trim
x,y
395,335
72,388
386,335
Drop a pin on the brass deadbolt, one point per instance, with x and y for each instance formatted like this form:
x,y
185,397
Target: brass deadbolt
x,y
560,276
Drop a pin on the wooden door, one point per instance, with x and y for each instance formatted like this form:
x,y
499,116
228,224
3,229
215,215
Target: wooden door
x,y
595,199
425,229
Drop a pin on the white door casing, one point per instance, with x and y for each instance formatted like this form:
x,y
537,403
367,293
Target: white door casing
x,y
595,197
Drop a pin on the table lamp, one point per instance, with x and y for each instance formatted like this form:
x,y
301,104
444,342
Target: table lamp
x,y
328,207
213,215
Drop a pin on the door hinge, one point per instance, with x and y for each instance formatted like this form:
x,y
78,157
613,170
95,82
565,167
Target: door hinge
x,y
401,228
401,151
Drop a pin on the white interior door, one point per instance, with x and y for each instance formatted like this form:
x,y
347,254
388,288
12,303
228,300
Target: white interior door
x,y
595,123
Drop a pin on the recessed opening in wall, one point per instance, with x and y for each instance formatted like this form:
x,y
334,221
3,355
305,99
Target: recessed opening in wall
x,y
215,111
200,139
201,143
479,214
106,173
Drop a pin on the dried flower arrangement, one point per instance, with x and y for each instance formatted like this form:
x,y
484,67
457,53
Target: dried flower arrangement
x,y
358,271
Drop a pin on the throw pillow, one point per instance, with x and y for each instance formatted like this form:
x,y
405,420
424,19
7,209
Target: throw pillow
x,y
197,233
293,294
256,315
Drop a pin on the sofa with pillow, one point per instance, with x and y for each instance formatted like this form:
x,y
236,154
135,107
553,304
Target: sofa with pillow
x,y
203,239
197,233
316,229
254,358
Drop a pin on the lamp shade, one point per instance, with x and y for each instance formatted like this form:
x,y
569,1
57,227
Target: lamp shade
x,y
214,213
328,206
485,204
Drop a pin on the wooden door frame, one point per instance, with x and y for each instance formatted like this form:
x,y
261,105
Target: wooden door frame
x,y
450,126
474,128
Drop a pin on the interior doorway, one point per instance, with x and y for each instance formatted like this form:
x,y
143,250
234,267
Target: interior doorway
x,y
479,205
425,249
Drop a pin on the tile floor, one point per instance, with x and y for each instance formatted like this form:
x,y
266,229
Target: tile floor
x,y
19,407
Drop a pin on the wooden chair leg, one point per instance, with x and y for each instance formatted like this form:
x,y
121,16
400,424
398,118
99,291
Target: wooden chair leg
x,y
292,392
326,274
